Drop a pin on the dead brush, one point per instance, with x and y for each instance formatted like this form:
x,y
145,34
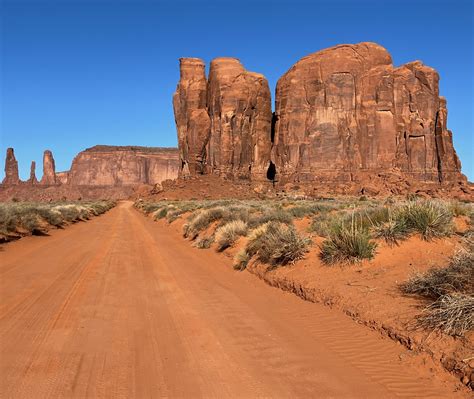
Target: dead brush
x,y
452,289
458,277
452,314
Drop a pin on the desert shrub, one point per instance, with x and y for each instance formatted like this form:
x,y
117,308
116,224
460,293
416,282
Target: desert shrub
x,y
368,217
161,213
452,291
307,209
177,209
69,213
458,208
278,244
452,314
202,220
241,260
227,234
29,220
323,223
457,277
255,239
348,243
52,217
427,217
272,215
204,242
392,231
149,207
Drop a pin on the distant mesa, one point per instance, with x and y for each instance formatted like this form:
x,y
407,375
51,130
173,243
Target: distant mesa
x,y
120,166
109,166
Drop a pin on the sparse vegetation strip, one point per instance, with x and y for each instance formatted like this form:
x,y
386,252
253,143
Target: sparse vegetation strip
x,y
26,218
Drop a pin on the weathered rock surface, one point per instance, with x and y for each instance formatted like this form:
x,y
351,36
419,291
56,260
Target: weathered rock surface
x,y
32,179
346,113
224,125
49,169
11,168
239,106
121,166
192,119
62,177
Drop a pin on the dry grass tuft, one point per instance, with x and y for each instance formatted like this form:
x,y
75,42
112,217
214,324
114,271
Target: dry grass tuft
x,y
348,244
227,234
452,314
452,289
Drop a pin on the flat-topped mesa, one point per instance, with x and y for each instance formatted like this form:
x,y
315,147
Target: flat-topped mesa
x,y
11,168
223,124
49,169
33,179
345,112
191,117
122,166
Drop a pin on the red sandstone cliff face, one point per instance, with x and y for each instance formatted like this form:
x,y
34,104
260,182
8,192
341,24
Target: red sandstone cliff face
x,y
32,179
223,124
49,169
11,168
192,120
98,172
342,115
122,166
346,112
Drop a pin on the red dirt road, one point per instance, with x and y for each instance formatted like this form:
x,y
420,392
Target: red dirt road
x,y
121,307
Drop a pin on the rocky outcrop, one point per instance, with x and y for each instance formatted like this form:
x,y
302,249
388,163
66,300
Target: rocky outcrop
x,y
224,124
192,119
49,169
346,113
33,179
11,168
123,166
240,110
62,177
343,115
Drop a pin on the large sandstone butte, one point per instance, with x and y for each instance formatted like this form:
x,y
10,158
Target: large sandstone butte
x,y
11,168
344,114
123,165
223,123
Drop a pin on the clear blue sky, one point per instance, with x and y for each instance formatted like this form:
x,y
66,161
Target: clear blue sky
x,y
79,73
